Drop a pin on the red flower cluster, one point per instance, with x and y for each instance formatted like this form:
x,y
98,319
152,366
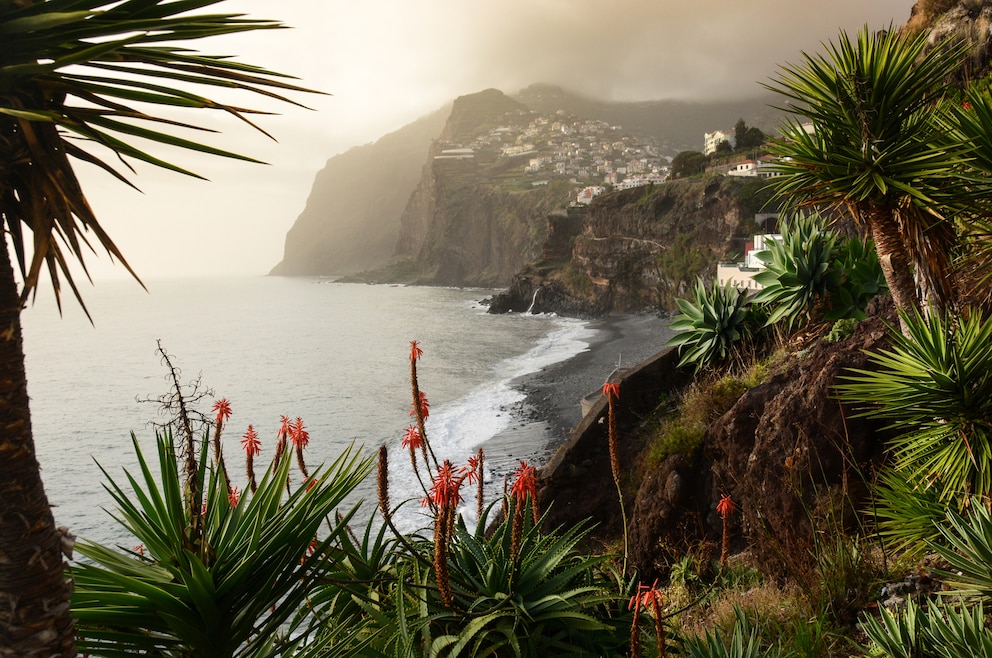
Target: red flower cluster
x,y
298,434
415,351
250,442
726,506
444,491
611,390
524,483
233,496
474,474
648,597
223,410
412,438
424,406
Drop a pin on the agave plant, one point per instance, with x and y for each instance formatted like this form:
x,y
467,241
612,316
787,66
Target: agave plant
x,y
935,385
710,325
798,270
230,592
938,631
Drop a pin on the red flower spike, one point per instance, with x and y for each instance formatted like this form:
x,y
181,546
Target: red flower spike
x,y
223,410
648,597
415,351
412,438
233,496
444,491
140,549
298,434
250,442
524,482
424,406
611,389
472,470
726,506
310,484
283,432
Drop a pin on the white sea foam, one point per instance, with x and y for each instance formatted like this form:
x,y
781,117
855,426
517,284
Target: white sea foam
x,y
458,428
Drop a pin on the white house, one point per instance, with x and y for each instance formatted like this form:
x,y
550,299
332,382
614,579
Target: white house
x,y
742,274
713,139
586,195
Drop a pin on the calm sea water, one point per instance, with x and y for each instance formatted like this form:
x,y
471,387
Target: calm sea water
x,y
334,354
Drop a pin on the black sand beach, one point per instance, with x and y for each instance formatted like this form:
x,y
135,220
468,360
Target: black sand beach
x,y
552,406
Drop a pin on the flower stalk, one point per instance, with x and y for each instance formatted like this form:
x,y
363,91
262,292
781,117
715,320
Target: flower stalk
x,y
725,507
612,392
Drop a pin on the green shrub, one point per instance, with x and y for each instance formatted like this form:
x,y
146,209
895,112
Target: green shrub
x,y
814,271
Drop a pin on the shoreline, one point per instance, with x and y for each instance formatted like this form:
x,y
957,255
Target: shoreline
x,y
551,408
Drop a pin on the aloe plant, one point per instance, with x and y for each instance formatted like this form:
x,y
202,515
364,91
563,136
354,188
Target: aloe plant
x,y
224,591
937,631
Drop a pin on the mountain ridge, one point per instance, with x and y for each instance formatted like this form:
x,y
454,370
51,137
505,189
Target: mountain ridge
x,y
354,217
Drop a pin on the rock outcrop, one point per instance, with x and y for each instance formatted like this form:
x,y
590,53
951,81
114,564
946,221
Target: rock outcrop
x,y
633,249
795,460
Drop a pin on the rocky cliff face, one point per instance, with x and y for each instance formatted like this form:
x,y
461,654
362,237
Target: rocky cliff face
x,y
636,249
465,224
352,217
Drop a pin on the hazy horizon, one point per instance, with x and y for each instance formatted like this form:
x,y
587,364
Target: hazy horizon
x,y
388,64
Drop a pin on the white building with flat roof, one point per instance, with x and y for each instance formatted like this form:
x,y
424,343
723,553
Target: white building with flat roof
x,y
742,274
713,139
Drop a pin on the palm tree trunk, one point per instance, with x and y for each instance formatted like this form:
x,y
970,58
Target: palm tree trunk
x,y
894,259
34,592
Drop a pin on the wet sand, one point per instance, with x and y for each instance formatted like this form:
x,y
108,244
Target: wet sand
x,y
552,406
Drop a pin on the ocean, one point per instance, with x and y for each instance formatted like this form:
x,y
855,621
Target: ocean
x,y
334,354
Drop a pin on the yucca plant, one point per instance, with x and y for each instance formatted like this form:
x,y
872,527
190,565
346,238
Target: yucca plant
x,y
230,592
102,82
710,324
907,511
935,386
873,145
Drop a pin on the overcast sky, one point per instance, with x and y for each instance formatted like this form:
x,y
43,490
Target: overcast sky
x,y
387,63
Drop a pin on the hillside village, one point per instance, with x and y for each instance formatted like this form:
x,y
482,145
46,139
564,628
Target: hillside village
x,y
596,157
593,154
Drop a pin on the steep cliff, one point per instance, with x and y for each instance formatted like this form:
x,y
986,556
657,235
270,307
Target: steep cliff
x,y
352,216
467,223
635,249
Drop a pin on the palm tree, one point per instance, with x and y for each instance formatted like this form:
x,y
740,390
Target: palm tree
x,y
876,150
74,75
